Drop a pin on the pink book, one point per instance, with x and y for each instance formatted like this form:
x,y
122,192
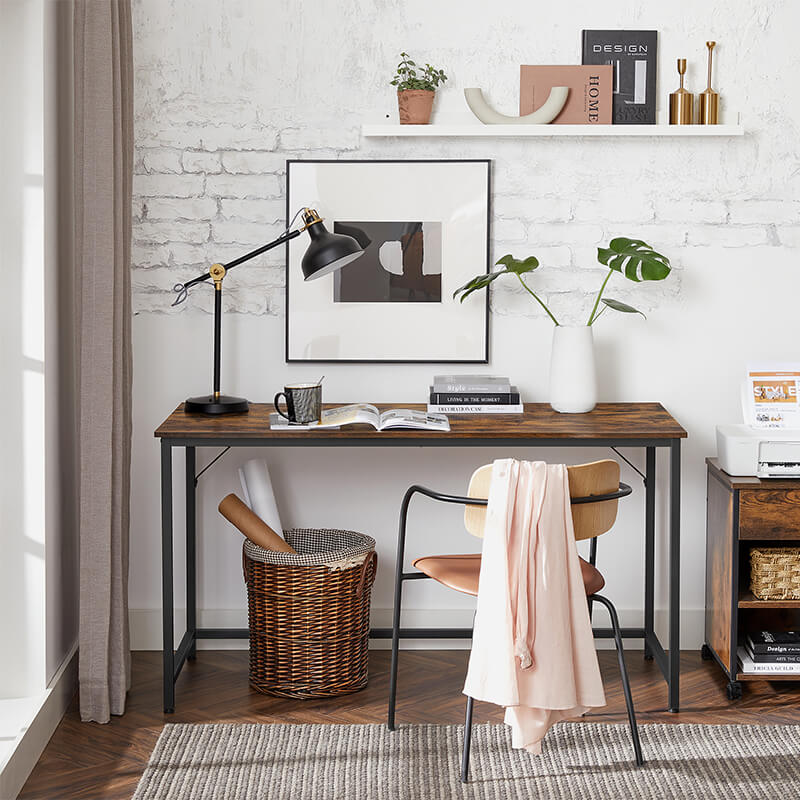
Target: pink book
x,y
590,98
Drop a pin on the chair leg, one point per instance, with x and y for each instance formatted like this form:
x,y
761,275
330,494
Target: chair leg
x,y
626,686
398,600
467,740
593,562
395,651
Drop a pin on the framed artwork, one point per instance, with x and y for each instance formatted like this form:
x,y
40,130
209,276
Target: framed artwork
x,y
424,227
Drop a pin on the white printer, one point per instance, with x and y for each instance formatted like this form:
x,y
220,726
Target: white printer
x,y
761,452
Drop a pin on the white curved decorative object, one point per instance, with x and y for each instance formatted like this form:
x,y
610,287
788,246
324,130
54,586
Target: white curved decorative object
x,y
546,113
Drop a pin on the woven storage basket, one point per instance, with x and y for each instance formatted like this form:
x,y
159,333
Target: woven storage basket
x,y
309,613
775,573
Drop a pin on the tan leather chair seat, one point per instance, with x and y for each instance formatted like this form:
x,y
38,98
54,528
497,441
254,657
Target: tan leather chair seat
x,y
461,572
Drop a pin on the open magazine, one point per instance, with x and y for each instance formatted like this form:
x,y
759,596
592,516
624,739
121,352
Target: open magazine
x,y
368,415
771,396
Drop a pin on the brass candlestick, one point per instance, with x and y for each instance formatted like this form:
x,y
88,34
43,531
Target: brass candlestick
x,y
681,102
709,99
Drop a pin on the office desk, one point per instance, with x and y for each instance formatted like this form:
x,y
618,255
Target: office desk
x,y
641,425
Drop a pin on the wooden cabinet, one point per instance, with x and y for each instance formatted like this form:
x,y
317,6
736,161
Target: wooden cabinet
x,y
742,513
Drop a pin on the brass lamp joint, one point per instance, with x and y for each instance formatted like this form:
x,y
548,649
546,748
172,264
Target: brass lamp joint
x,y
310,217
217,273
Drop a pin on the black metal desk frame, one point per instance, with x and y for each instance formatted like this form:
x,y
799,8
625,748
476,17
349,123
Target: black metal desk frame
x,y
668,662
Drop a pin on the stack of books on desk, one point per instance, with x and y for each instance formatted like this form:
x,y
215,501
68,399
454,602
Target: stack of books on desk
x,y
473,394
771,651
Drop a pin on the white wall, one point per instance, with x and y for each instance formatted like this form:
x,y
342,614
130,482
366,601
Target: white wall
x,y
22,440
225,93
38,534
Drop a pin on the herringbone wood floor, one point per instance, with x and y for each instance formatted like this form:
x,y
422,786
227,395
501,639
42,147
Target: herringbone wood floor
x,y
104,762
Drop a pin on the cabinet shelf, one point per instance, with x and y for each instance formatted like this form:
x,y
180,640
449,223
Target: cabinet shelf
x,y
767,676
461,130
748,600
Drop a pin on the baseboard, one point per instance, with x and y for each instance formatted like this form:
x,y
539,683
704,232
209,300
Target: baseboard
x,y
30,743
146,627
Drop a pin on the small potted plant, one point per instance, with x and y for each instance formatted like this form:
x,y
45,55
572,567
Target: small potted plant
x,y
573,384
416,87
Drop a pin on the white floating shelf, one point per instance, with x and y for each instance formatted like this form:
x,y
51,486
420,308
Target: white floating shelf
x,y
523,131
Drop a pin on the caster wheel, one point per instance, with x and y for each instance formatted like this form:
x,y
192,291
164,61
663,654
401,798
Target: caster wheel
x,y
734,690
705,653
648,655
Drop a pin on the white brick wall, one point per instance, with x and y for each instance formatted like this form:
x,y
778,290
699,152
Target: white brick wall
x,y
215,124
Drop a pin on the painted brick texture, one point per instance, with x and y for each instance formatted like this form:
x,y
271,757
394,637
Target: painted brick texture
x,y
220,106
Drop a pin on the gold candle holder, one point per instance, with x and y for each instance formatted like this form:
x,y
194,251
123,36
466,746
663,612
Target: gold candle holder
x,y
709,99
681,101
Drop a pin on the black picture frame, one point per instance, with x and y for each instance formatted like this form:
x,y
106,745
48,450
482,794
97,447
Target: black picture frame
x,y
290,210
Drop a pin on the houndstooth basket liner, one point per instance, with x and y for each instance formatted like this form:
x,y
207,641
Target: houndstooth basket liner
x,y
316,547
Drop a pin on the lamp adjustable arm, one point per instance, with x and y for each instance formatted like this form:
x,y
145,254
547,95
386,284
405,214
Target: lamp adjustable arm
x,y
182,289
326,253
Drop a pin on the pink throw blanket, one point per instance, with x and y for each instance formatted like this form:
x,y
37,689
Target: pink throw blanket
x,y
532,648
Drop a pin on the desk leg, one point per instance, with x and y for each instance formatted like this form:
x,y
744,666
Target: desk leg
x,y
674,573
649,549
166,577
191,553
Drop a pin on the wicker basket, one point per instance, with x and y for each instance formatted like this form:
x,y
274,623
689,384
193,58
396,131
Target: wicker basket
x,y
309,613
775,573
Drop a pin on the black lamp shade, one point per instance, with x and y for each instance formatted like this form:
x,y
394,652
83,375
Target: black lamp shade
x,y
327,251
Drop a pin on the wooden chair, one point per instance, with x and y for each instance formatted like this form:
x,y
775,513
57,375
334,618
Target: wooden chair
x,y
594,490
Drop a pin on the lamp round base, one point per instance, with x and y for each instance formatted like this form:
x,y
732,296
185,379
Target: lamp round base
x,y
224,404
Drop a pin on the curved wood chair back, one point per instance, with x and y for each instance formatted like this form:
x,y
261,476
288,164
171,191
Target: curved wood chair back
x,y
588,519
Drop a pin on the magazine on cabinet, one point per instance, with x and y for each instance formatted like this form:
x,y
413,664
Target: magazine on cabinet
x,y
367,414
771,396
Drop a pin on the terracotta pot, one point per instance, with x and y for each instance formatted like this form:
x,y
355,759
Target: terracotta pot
x,y
415,106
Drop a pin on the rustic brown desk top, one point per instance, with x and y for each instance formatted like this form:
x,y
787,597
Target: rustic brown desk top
x,y
539,421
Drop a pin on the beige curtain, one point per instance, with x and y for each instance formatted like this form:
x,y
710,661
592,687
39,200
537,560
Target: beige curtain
x,y
103,175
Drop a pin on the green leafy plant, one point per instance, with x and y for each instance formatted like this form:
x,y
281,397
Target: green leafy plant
x,y
411,76
632,258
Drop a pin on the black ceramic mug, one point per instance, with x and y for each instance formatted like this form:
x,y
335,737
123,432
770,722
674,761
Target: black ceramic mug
x,y
303,402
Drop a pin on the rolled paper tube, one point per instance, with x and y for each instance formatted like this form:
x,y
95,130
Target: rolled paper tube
x,y
258,494
252,526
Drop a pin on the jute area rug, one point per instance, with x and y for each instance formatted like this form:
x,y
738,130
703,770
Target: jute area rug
x,y
367,762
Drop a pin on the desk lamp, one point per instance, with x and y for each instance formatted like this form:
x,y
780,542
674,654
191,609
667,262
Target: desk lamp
x,y
326,253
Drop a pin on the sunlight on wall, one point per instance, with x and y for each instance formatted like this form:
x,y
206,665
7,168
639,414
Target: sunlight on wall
x,y
22,350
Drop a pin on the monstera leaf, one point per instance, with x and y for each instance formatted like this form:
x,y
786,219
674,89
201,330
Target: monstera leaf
x,y
513,266
618,305
634,259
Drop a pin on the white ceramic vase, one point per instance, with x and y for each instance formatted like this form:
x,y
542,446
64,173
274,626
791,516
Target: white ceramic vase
x,y
573,382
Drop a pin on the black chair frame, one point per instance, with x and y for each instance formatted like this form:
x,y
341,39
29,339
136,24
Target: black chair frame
x,y
401,576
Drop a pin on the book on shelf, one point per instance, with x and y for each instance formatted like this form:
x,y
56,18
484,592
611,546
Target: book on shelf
x,y
367,414
475,384
589,101
489,408
633,57
772,658
774,642
749,666
474,398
